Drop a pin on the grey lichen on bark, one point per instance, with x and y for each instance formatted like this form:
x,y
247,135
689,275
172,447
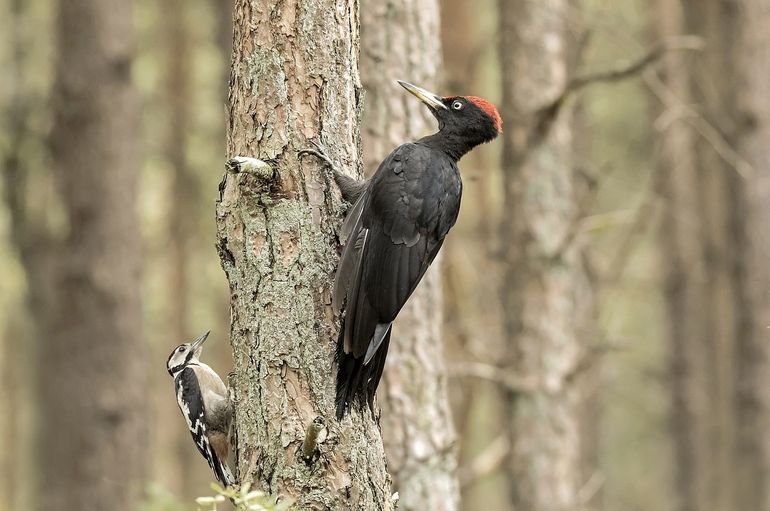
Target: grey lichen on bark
x,y
400,40
294,78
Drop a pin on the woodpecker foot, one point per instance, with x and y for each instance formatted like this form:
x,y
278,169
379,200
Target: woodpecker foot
x,y
253,166
351,188
320,153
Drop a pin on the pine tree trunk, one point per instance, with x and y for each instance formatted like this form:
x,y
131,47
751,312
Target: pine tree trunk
x,y
93,368
750,266
692,324
186,472
717,249
416,423
714,273
473,325
294,78
545,291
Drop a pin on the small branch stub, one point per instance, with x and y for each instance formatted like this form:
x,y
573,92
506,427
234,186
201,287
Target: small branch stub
x,y
260,170
253,166
310,444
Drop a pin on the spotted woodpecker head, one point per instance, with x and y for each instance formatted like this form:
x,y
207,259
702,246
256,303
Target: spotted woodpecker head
x,y
462,120
185,354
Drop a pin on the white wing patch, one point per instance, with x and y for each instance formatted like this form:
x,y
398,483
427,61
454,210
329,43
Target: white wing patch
x,y
195,424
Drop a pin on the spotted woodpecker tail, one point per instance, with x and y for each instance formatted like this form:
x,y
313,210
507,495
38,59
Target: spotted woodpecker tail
x,y
222,472
356,379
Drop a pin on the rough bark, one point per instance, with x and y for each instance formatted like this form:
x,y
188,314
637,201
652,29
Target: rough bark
x,y
545,291
400,40
93,379
294,78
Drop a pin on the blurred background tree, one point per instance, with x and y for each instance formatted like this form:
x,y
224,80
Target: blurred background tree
x,y
402,38
606,294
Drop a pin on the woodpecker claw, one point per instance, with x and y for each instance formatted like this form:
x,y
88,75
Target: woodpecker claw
x,y
319,153
318,145
350,188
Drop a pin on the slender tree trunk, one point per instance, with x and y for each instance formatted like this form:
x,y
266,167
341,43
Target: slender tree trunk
x,y
545,291
713,327
688,271
590,406
183,463
750,267
472,324
717,250
294,78
93,378
416,423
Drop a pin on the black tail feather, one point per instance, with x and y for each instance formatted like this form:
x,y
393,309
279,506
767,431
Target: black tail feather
x,y
377,366
356,380
222,473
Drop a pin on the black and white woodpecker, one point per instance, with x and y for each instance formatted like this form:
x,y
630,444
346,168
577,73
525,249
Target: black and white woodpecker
x,y
202,397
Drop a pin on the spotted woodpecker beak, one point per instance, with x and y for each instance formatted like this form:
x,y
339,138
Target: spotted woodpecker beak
x,y
432,100
197,344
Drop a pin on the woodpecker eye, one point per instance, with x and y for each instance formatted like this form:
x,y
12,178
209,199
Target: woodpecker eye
x,y
457,105
182,349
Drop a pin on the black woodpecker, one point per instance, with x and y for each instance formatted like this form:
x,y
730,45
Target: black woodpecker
x,y
393,232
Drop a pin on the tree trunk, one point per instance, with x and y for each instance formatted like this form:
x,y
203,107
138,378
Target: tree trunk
x,y
416,423
473,325
93,377
748,44
717,251
187,474
294,78
692,324
545,291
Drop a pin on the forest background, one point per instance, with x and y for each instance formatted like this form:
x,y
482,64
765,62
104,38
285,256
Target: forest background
x,y
597,325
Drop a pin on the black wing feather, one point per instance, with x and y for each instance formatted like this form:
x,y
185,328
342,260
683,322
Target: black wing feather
x,y
399,226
